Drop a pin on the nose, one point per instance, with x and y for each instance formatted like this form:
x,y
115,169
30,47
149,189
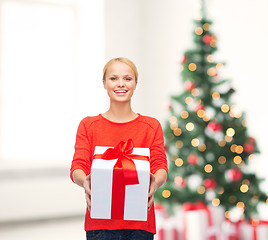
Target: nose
x,y
121,82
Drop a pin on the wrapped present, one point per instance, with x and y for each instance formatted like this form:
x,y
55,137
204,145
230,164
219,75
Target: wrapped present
x,y
160,211
167,229
253,230
120,179
197,216
230,230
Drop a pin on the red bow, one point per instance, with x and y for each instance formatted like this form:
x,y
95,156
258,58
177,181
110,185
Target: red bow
x,y
124,173
123,152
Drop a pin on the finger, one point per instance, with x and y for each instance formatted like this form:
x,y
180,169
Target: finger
x,y
151,191
88,191
88,200
150,203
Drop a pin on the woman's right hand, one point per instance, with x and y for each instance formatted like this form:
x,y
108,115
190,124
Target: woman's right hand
x,y
87,185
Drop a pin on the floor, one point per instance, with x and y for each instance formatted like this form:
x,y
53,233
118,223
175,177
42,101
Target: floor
x,y
64,229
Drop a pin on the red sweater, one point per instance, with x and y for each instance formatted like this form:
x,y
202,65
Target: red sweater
x,y
94,131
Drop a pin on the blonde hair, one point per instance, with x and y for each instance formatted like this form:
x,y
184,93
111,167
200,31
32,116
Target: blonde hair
x,y
122,60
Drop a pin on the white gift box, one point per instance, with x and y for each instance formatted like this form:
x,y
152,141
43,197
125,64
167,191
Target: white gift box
x,y
229,230
136,196
167,229
246,231
198,223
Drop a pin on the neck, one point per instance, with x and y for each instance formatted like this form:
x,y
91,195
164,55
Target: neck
x,y
120,112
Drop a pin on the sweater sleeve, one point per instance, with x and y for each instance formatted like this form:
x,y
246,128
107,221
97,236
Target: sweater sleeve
x,y
158,159
81,159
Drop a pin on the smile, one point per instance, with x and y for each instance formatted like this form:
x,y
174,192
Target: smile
x,y
120,91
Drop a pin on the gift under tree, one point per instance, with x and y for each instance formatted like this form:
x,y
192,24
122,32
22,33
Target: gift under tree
x,y
207,142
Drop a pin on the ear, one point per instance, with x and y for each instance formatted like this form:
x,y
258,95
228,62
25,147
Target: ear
x,y
136,82
104,83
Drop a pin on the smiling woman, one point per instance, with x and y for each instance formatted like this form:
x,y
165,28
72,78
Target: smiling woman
x,y
120,125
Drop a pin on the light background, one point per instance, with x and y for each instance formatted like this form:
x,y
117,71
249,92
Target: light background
x,y
51,78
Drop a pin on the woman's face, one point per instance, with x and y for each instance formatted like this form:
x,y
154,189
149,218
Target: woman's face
x,y
120,82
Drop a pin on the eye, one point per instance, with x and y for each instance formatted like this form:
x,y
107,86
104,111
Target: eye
x,y
113,78
128,78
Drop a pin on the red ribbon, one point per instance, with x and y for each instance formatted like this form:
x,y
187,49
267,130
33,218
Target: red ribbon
x,y
188,206
254,224
124,173
161,234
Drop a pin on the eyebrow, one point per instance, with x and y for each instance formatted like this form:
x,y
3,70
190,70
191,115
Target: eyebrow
x,y
127,75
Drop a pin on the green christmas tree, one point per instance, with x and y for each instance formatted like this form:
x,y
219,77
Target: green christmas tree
x,y
207,141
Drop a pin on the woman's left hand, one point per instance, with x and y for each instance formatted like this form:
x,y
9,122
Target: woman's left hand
x,y
156,180
152,188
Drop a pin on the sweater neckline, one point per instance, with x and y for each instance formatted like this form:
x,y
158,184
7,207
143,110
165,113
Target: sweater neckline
x,y
120,123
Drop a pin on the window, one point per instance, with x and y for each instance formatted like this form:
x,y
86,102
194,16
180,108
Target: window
x,y
50,72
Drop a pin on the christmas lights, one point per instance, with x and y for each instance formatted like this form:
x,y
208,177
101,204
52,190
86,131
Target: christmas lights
x,y
215,95
195,142
195,92
244,188
222,160
201,190
225,108
206,26
166,193
246,182
237,160
233,148
173,119
192,67
173,125
216,202
222,143
199,31
210,58
190,126
239,149
201,113
228,138
220,190
202,147
177,131
179,144
219,66
188,100
208,168
230,132
184,114
211,72
178,162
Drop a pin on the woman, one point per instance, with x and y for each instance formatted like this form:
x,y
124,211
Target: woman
x,y
119,123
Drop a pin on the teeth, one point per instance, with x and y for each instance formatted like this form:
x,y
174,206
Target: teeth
x,y
121,91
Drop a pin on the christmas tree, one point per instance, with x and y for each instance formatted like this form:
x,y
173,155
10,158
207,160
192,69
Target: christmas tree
x,y
207,142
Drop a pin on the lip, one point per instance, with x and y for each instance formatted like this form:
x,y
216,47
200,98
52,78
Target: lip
x,y
120,91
